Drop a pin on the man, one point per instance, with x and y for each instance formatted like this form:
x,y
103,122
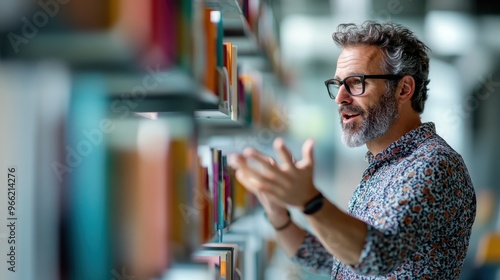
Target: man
x,y
412,213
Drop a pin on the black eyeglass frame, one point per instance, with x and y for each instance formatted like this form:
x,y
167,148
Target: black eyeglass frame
x,y
362,77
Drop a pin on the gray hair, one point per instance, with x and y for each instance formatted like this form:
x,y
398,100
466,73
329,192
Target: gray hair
x,y
404,53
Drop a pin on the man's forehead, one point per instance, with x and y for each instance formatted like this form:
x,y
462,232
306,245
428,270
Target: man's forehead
x,y
359,56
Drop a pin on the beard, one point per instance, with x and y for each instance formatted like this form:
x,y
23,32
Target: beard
x,y
376,121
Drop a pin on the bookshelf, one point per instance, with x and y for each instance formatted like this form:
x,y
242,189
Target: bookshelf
x,y
127,193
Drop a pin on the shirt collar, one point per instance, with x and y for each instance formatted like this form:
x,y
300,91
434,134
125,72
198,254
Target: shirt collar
x,y
407,142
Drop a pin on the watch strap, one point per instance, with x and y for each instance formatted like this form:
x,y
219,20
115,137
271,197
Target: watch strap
x,y
289,222
313,205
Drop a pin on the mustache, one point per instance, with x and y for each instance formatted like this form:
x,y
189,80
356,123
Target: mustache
x,y
352,109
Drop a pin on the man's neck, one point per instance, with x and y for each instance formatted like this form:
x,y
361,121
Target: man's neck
x,y
400,127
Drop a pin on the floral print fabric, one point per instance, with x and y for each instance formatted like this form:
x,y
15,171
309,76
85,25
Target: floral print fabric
x,y
419,203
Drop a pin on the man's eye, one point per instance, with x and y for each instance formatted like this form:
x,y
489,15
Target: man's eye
x,y
355,81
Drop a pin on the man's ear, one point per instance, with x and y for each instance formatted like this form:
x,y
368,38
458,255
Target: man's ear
x,y
406,89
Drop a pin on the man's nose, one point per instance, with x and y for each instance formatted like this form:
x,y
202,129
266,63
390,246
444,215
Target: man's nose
x,y
343,97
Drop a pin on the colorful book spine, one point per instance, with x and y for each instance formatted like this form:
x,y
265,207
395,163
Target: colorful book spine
x,y
203,203
220,42
234,82
227,67
165,30
185,35
215,187
136,23
123,167
240,197
231,64
227,191
35,169
210,51
242,106
151,256
221,197
90,256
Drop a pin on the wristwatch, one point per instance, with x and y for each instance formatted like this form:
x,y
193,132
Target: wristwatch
x,y
313,205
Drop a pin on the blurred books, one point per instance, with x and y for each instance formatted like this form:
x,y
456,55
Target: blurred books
x,y
101,107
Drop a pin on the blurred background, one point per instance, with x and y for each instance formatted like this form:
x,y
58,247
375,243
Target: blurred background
x,y
64,63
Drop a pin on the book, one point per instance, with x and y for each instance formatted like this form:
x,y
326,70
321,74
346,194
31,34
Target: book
x,y
227,256
92,15
242,106
123,207
227,191
185,28
181,174
234,82
88,197
51,85
227,67
165,29
35,171
203,202
151,254
135,23
210,50
231,65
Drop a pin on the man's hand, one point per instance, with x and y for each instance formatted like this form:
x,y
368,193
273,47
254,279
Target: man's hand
x,y
290,183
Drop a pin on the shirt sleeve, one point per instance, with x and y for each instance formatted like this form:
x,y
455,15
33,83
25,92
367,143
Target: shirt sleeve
x,y
424,203
313,256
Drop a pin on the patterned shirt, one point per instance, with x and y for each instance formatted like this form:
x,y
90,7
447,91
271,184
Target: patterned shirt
x,y
419,203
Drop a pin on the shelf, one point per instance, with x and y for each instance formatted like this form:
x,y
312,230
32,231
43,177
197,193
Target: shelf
x,y
207,100
238,222
217,121
246,46
256,50
169,91
154,82
233,20
153,91
236,28
97,50
198,271
214,117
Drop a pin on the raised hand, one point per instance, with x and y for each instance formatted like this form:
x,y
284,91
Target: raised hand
x,y
290,183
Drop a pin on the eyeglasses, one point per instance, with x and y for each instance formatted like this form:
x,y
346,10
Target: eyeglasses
x,y
355,85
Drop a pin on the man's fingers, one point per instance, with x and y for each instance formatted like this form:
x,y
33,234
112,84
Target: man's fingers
x,y
307,154
308,150
253,179
246,180
283,153
270,171
256,182
268,178
260,158
236,161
